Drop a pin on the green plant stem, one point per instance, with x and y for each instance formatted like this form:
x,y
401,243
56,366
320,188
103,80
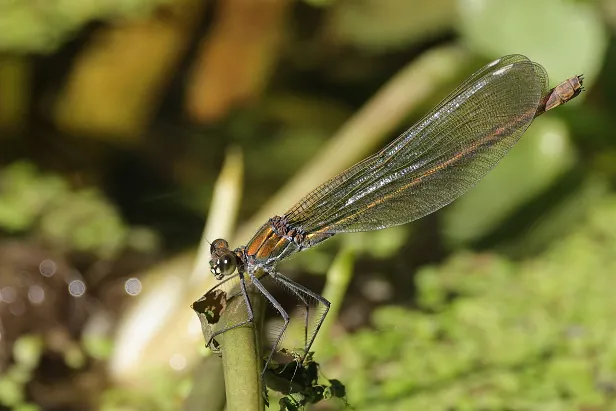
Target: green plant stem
x,y
338,277
241,360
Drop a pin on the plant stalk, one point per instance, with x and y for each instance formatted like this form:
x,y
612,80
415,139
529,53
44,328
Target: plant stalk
x,y
241,359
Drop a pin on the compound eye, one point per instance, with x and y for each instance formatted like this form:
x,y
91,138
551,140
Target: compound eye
x,y
226,264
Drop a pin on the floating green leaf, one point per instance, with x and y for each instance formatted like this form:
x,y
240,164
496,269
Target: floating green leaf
x,y
566,37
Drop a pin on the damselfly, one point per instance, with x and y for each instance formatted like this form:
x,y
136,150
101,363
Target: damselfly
x,y
431,164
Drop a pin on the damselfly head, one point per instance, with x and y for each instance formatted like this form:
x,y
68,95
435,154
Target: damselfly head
x,y
222,261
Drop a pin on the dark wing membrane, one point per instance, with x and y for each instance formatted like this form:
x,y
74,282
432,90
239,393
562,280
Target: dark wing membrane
x,y
435,161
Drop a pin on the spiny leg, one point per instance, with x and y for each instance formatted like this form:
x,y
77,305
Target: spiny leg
x,y
295,286
249,311
282,312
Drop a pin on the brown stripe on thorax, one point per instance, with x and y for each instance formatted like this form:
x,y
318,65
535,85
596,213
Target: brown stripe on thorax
x,y
268,244
262,236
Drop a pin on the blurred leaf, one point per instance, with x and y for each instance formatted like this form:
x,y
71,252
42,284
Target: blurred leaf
x,y
28,26
24,194
382,25
76,220
27,351
117,81
11,392
605,162
236,59
558,220
97,346
74,357
566,37
539,158
85,221
608,9
27,407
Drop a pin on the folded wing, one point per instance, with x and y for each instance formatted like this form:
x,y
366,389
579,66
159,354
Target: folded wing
x,y
436,160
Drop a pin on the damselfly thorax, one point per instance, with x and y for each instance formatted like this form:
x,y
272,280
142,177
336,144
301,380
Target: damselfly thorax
x,y
274,241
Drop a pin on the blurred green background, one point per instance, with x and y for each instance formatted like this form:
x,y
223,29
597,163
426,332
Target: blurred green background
x,y
117,117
